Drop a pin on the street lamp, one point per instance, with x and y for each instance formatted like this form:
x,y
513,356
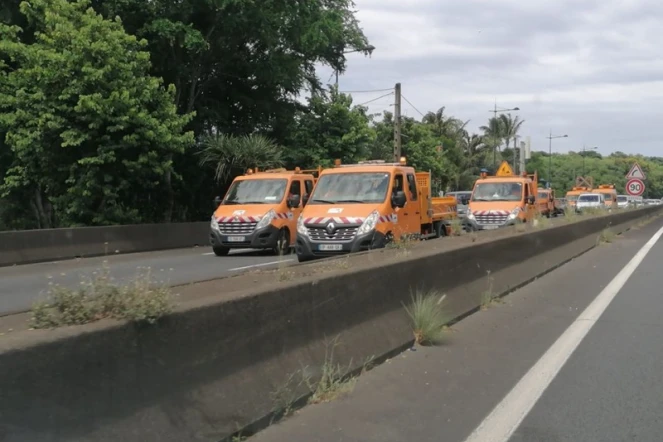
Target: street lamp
x,y
584,149
368,49
550,138
495,111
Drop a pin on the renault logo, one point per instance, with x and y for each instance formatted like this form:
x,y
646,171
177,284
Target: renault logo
x,y
330,228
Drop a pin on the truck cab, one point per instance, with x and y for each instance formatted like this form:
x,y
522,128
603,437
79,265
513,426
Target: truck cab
x,y
367,205
545,202
260,211
609,194
503,199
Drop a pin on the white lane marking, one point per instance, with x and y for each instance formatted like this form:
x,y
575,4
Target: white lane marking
x,y
210,253
505,418
234,252
259,265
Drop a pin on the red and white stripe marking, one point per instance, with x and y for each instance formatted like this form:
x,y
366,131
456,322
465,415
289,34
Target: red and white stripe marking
x,y
337,220
491,212
388,218
238,219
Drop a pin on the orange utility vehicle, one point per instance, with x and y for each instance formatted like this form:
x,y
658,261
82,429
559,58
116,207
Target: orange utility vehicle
x,y
503,199
363,206
260,210
610,194
583,185
547,203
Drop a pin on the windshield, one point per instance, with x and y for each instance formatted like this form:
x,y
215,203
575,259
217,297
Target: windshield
x,y
461,197
361,187
588,198
543,195
571,197
269,191
622,199
498,192
607,196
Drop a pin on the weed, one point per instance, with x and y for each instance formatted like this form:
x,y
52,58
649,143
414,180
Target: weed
x,y
540,221
283,271
456,227
285,396
607,236
521,227
488,296
333,382
570,214
98,298
428,315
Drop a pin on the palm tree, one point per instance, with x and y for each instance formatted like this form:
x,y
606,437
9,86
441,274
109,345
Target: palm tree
x,y
494,135
443,125
230,154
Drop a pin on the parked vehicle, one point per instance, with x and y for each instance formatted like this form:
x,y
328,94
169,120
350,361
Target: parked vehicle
x,y
622,201
260,210
502,200
609,193
463,201
591,201
368,205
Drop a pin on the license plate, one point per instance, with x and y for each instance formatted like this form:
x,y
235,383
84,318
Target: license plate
x,y
490,227
330,247
236,238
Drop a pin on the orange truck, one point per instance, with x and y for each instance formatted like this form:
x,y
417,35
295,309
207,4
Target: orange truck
x,y
260,210
363,206
610,194
503,199
547,203
583,185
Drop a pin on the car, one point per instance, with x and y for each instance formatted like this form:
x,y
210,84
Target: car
x,y
591,201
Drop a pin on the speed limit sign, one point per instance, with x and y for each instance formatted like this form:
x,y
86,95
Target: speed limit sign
x,y
635,187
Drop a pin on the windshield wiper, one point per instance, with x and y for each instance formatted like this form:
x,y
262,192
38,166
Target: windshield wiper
x,y
351,201
323,201
229,203
253,202
482,199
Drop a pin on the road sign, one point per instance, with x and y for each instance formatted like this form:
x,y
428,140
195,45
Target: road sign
x,y
635,187
636,172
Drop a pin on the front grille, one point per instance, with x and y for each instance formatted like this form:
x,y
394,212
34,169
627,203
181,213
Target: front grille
x,y
339,234
491,219
237,228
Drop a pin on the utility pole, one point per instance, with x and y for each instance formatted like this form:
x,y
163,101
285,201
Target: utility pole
x,y
397,123
522,156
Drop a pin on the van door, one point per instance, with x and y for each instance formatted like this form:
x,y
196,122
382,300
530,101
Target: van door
x,y
296,188
407,217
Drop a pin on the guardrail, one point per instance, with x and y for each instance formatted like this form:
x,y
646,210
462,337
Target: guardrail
x,y
213,366
30,246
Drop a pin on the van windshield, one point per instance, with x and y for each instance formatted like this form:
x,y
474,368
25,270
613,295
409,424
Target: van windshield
x,y
264,191
588,198
571,197
497,192
622,199
358,188
461,197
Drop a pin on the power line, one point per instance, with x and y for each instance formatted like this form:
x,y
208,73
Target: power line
x,y
413,106
376,99
363,92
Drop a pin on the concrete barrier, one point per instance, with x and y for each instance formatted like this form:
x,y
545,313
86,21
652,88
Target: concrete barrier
x,y
213,367
29,246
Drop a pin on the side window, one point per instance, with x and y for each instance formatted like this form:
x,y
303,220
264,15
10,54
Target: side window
x,y
412,185
295,188
308,184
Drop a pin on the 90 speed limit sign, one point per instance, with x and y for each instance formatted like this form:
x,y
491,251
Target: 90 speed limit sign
x,y
635,187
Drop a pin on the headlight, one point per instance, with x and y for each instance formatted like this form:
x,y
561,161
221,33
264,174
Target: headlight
x,y
514,213
470,215
266,220
214,224
301,228
369,223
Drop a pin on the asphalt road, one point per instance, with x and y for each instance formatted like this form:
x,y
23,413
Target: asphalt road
x,y
497,366
21,285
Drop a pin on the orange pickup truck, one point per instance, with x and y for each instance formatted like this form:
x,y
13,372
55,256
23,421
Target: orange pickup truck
x,y
363,206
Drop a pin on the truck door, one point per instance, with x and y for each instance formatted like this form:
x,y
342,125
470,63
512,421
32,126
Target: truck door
x,y
408,216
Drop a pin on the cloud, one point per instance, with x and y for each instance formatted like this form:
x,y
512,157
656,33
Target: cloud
x,y
588,68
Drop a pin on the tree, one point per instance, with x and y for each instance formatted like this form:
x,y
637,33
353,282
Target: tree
x,y
91,134
230,155
494,135
330,128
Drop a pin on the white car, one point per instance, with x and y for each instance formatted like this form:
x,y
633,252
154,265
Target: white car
x,y
622,201
590,201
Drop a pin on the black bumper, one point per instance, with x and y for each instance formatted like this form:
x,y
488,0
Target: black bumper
x,y
307,249
258,239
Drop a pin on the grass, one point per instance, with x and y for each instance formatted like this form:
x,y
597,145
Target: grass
x,y
429,316
540,221
488,296
98,298
456,227
607,236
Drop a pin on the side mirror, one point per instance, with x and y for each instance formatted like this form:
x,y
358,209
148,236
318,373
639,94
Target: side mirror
x,y
398,199
217,201
293,201
530,199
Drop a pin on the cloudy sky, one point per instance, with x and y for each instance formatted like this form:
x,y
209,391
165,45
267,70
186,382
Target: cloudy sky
x,y
587,68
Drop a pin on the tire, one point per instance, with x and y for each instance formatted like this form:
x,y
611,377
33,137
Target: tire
x,y
440,229
220,251
301,258
282,246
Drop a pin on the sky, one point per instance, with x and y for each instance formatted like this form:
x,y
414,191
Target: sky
x,y
590,69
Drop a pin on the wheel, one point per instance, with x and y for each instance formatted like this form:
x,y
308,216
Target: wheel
x,y
282,246
439,229
301,258
220,251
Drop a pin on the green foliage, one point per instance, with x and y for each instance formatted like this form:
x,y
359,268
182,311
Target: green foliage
x,y
428,314
91,134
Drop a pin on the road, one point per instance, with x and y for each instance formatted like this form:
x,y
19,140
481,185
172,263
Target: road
x,y
24,284
574,356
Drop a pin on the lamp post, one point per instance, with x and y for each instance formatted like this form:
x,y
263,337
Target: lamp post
x,y
368,49
584,149
550,138
495,111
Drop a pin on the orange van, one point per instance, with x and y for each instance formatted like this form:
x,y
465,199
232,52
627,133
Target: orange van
x,y
363,206
610,194
260,211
